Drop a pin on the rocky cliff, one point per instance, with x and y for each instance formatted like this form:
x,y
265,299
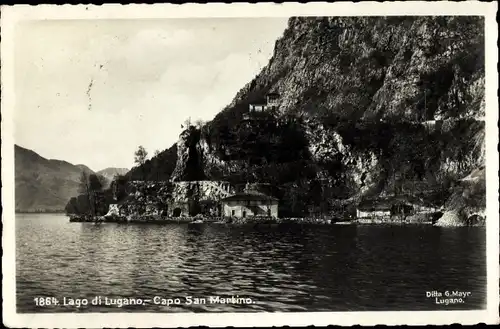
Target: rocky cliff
x,y
367,106
414,68
189,165
174,199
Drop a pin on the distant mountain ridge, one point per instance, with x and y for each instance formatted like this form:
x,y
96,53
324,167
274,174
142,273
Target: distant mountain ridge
x,y
111,172
44,185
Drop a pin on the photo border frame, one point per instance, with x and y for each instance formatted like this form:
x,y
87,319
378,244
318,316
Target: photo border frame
x,y
11,15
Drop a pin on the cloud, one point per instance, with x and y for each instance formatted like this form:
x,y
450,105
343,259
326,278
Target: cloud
x,y
163,38
153,76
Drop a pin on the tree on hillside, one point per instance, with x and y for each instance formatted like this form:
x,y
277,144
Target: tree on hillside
x,y
119,187
84,189
72,206
186,124
199,123
155,164
96,184
140,157
91,187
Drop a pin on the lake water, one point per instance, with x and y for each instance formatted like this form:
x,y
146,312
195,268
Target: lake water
x,y
281,268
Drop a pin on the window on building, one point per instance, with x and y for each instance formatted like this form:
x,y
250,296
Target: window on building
x,y
244,213
232,212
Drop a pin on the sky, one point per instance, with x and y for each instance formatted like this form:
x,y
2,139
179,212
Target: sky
x,y
91,91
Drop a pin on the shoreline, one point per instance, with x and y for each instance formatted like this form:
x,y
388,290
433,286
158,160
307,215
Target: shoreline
x,y
260,222
40,212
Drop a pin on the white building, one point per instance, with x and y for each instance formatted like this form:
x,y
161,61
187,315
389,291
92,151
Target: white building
x,y
250,204
272,101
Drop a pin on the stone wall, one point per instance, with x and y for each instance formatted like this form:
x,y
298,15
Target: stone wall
x,y
172,199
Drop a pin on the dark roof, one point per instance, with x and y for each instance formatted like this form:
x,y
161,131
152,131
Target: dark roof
x,y
249,196
260,102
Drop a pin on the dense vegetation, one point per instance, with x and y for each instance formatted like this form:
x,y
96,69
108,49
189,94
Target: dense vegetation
x,y
159,167
94,197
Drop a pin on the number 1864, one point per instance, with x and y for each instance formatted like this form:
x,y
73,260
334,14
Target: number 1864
x,y
45,301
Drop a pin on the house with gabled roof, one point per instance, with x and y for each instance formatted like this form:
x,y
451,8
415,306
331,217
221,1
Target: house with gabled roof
x,y
250,204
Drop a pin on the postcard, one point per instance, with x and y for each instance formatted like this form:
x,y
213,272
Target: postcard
x,y
250,164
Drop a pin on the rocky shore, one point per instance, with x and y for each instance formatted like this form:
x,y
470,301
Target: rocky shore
x,y
195,219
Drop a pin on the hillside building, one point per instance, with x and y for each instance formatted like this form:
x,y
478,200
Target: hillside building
x,y
271,102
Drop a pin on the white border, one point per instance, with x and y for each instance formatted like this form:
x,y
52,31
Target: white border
x,y
12,14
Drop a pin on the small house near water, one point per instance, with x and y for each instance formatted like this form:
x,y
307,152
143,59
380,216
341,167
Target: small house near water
x,y
250,204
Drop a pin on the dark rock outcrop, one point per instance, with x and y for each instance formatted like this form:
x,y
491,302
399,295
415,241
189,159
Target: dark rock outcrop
x,y
467,203
189,165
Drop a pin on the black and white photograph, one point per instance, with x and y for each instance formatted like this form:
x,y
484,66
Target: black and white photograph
x,y
275,162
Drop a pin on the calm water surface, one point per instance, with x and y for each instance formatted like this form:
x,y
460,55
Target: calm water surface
x,y
308,268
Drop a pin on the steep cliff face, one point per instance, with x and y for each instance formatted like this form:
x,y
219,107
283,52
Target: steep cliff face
x,y
366,67
189,166
367,106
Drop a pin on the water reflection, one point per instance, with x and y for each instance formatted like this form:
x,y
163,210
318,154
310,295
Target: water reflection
x,y
282,268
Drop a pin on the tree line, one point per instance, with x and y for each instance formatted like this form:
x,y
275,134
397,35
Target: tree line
x,y
95,195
